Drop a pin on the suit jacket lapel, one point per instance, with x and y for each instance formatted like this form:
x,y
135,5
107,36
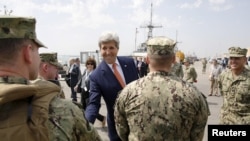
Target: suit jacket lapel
x,y
107,72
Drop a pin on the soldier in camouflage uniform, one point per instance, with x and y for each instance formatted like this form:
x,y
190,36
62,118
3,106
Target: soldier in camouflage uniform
x,y
234,85
49,68
32,111
177,68
161,106
204,65
190,74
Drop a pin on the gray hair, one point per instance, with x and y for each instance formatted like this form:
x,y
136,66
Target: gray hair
x,y
107,37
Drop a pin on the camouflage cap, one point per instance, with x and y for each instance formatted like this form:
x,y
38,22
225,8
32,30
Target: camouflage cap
x,y
160,46
237,52
50,58
18,27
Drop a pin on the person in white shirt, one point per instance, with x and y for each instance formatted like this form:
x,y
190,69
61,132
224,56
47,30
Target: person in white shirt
x,y
215,71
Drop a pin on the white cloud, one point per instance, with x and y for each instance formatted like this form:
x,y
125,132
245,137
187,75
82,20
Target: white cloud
x,y
158,2
219,5
222,8
137,3
141,12
88,13
217,1
196,4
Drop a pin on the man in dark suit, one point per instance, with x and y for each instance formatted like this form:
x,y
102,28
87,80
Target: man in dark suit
x,y
142,67
103,81
75,75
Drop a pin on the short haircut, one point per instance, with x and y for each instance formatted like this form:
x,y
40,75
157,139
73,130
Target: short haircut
x,y
107,37
10,47
157,60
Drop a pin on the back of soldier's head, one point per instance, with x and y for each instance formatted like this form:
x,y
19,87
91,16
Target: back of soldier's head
x,y
161,49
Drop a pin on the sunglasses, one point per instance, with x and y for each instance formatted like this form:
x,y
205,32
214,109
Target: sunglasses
x,y
90,64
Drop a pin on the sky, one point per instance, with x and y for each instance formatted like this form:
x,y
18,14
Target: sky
x,y
205,28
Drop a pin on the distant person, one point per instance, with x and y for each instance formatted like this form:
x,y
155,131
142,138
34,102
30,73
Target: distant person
x,y
247,66
48,69
67,78
225,62
142,67
215,71
84,83
161,106
204,65
146,70
177,69
31,110
75,75
190,74
135,61
234,85
111,75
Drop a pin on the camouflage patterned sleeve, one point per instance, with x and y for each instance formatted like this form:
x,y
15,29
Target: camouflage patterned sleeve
x,y
181,71
68,123
197,132
194,74
120,117
220,79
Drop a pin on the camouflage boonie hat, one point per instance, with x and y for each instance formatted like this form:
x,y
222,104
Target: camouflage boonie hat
x,y
19,27
160,46
50,58
237,52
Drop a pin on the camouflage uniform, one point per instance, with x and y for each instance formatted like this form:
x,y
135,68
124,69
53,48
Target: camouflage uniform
x,y
31,110
190,74
52,59
177,70
204,65
160,106
235,92
65,120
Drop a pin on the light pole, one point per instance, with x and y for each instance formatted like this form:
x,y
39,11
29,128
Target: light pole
x,y
136,31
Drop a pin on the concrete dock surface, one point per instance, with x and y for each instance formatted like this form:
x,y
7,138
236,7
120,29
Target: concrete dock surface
x,y
202,84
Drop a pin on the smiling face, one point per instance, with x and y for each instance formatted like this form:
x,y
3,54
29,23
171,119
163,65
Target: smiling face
x,y
237,63
109,51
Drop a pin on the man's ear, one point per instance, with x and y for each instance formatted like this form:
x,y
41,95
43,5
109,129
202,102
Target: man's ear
x,y
45,67
27,53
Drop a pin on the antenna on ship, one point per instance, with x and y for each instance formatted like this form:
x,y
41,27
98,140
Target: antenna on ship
x,y
176,40
150,26
136,31
6,11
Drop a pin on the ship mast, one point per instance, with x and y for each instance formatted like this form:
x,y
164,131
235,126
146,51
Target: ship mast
x,y
150,26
